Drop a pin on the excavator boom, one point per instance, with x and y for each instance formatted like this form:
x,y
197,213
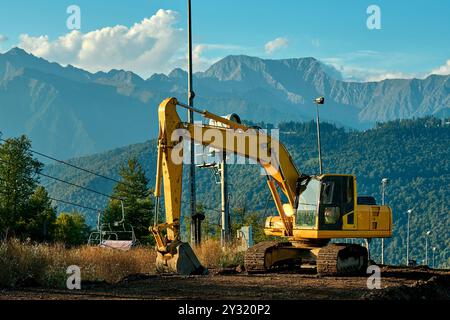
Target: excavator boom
x,y
229,137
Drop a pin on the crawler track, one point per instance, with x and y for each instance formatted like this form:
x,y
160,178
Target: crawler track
x,y
333,259
254,260
341,259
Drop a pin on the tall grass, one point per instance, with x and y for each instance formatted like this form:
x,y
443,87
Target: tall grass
x,y
45,265
212,255
25,264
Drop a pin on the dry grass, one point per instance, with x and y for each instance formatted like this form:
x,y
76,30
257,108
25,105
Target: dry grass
x,y
212,255
23,264
46,265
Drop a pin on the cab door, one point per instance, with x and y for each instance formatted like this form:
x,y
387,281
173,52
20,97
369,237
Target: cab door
x,y
336,201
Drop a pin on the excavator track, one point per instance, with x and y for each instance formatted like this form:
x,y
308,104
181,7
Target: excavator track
x,y
332,259
255,257
342,259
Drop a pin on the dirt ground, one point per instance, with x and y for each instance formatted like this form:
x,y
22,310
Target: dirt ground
x,y
396,283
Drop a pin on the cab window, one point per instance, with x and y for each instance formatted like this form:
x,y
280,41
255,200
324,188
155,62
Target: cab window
x,y
307,205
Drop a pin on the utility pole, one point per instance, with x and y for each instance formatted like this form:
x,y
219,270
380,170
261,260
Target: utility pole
x,y
384,182
196,220
225,234
319,101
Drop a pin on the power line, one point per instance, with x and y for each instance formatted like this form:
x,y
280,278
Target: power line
x,y
77,167
74,204
78,186
74,184
71,203
73,166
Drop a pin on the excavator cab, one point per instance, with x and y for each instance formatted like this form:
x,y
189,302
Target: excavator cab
x,y
328,207
325,202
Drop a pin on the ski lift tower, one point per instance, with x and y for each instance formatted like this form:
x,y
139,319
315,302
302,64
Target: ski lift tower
x,y
219,167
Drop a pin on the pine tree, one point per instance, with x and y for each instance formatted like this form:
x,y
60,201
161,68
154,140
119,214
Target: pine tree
x,y
133,191
18,181
40,216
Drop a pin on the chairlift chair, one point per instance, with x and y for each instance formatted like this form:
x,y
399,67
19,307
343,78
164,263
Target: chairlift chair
x,y
119,236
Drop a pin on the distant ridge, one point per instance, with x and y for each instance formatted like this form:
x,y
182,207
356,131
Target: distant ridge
x,y
70,112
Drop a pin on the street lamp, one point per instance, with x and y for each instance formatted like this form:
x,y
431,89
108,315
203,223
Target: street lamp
x,y
384,182
319,101
426,247
434,251
407,238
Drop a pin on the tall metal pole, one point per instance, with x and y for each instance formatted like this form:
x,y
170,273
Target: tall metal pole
x,y
195,221
434,251
319,101
225,234
426,247
384,181
407,239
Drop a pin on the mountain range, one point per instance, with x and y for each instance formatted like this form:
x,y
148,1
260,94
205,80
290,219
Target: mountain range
x,y
70,112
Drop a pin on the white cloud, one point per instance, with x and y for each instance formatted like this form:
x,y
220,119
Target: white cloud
x,y
442,70
353,70
362,74
354,66
3,38
275,45
153,45
379,75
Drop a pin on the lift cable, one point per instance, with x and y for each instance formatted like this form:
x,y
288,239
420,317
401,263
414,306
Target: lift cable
x,y
74,204
73,166
73,184
78,186
92,173
71,203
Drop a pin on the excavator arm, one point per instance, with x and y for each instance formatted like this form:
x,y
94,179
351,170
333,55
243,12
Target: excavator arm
x,y
227,136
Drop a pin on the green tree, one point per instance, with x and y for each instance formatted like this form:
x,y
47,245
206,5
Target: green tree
x,y
18,181
71,229
40,217
133,191
210,229
237,219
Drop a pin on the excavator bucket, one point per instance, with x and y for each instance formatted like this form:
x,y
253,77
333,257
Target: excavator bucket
x,y
182,261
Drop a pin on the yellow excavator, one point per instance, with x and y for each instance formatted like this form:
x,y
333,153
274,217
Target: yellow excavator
x,y
312,209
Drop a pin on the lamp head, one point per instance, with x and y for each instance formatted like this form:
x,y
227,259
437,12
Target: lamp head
x,y
428,233
385,181
320,100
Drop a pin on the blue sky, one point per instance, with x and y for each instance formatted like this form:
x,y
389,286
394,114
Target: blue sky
x,y
413,40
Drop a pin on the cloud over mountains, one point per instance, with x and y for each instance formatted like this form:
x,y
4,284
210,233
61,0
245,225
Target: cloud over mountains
x,y
158,45
149,46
